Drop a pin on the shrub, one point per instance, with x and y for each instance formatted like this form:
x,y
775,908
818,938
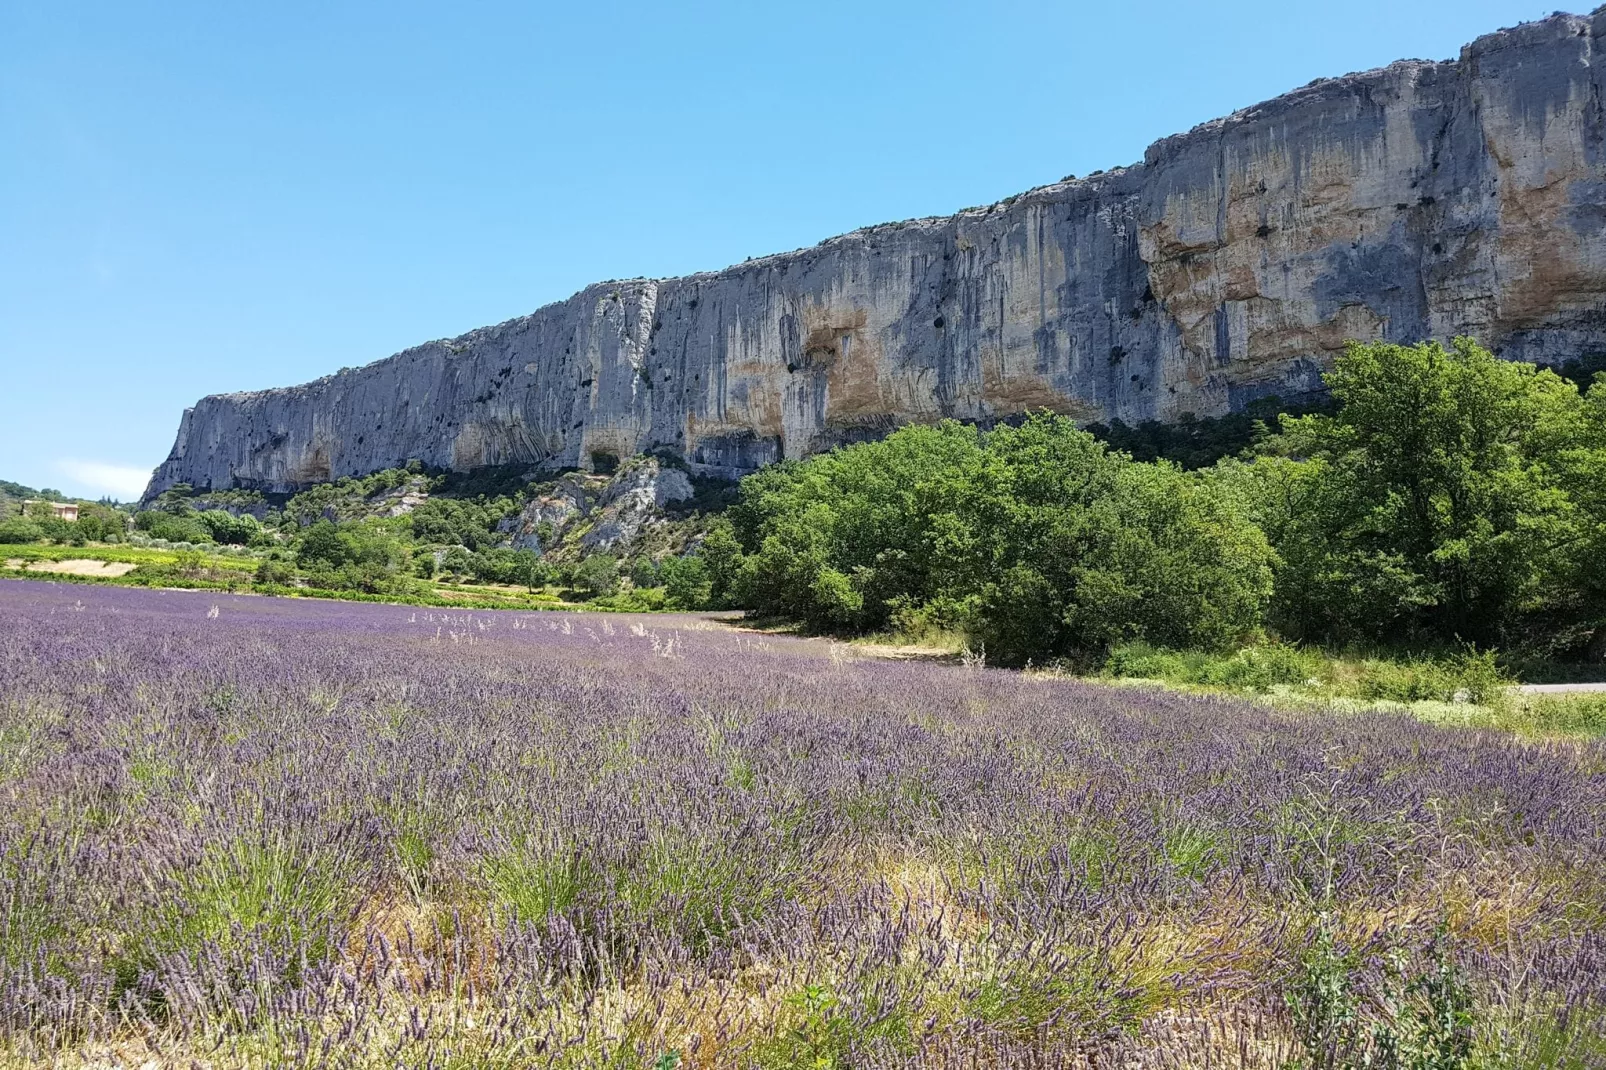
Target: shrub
x,y
272,572
685,581
225,527
172,527
1577,714
1472,677
598,575
635,600
19,530
1035,540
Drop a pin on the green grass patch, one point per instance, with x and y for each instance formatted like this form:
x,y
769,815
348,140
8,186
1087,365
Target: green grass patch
x,y
133,555
1581,714
533,880
1274,668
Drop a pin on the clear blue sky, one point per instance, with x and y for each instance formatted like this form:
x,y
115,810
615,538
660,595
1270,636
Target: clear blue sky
x,y
205,197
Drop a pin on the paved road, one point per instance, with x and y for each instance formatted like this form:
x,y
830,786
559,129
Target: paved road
x,y
1558,689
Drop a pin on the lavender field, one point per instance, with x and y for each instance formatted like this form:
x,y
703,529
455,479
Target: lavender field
x,y
259,832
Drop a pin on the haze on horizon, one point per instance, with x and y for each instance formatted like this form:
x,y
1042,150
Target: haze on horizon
x,y
199,200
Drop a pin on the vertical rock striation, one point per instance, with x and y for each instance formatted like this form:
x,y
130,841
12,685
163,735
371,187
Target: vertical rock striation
x,y
1419,200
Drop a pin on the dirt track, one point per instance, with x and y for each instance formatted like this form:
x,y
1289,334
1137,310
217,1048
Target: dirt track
x,y
75,567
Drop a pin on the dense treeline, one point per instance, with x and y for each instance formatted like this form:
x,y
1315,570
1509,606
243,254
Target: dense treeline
x,y
1035,540
1447,498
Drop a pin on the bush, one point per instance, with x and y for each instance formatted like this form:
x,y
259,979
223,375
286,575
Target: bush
x,y
1471,677
1578,714
598,575
1035,541
272,572
225,527
1254,668
172,527
19,530
62,531
685,582
635,600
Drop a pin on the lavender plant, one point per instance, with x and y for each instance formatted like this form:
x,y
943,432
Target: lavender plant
x,y
257,832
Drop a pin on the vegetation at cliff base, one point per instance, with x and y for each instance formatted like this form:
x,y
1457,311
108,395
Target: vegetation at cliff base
x,y
1449,499
1035,540
1439,504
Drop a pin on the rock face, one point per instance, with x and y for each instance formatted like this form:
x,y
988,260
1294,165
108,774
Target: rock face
x,y
615,509
547,515
631,500
1423,200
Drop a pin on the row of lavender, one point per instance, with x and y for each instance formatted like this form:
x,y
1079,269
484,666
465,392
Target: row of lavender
x,y
265,832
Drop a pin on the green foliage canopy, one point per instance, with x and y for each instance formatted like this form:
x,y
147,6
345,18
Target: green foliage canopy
x,y
1036,540
598,574
173,526
685,582
1452,497
363,555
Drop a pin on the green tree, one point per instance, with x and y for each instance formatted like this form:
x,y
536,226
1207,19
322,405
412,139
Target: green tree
x,y
359,555
1036,540
462,522
598,575
456,562
504,565
1065,546
685,582
226,527
644,574
1429,505
172,526
175,500
101,523
722,554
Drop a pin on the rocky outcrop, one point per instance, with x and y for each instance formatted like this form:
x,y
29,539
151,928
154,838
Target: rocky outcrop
x,y
1421,200
606,513
633,499
545,517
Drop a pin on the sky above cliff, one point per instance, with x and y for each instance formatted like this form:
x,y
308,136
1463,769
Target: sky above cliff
x,y
198,198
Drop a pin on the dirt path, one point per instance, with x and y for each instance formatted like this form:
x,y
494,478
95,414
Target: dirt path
x,y
76,566
1558,689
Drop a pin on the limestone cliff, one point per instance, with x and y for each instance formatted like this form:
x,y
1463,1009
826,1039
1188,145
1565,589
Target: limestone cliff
x,y
1421,200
